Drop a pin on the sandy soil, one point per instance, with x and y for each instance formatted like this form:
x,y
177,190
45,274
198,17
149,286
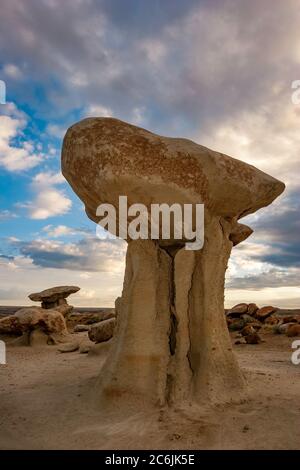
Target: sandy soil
x,y
44,404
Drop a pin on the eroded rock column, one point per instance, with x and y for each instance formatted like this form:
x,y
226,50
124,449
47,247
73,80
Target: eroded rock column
x,y
135,370
171,343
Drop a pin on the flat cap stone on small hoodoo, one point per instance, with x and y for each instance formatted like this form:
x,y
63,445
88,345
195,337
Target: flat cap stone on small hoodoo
x,y
54,294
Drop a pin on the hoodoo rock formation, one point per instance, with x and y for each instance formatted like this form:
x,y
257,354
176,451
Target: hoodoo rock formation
x,y
171,344
55,297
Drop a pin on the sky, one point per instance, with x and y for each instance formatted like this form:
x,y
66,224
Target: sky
x,y
217,72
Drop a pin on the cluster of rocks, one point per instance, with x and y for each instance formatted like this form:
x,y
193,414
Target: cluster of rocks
x,y
35,325
100,331
248,319
45,324
76,320
55,322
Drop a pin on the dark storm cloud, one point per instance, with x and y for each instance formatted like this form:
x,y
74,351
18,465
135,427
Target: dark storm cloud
x,y
217,57
271,279
280,231
139,19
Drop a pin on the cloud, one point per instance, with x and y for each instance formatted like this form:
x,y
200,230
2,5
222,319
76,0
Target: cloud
x,y
6,215
15,156
49,201
56,130
47,179
12,71
87,255
63,231
58,231
272,278
97,110
268,137
98,289
171,57
276,236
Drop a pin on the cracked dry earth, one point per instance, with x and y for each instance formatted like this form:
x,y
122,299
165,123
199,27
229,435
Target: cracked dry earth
x,y
45,404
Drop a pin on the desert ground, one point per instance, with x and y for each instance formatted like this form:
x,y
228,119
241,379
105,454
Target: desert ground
x,y
45,403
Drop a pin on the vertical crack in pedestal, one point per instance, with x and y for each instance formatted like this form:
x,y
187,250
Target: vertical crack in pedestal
x,y
173,323
173,319
189,308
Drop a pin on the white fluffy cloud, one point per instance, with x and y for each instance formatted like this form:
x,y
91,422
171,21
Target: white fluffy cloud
x,y
49,201
15,157
58,231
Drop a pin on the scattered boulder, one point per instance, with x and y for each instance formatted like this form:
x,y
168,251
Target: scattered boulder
x,y
29,319
281,328
10,326
272,320
264,312
269,318
253,338
248,319
237,310
102,331
248,330
257,325
88,318
252,309
237,325
293,330
53,297
291,319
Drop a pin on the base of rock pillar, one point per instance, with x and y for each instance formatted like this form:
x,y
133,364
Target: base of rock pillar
x,y
171,344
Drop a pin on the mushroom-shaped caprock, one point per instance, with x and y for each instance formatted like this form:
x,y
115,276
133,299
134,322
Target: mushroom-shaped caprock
x,y
171,342
54,296
104,157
